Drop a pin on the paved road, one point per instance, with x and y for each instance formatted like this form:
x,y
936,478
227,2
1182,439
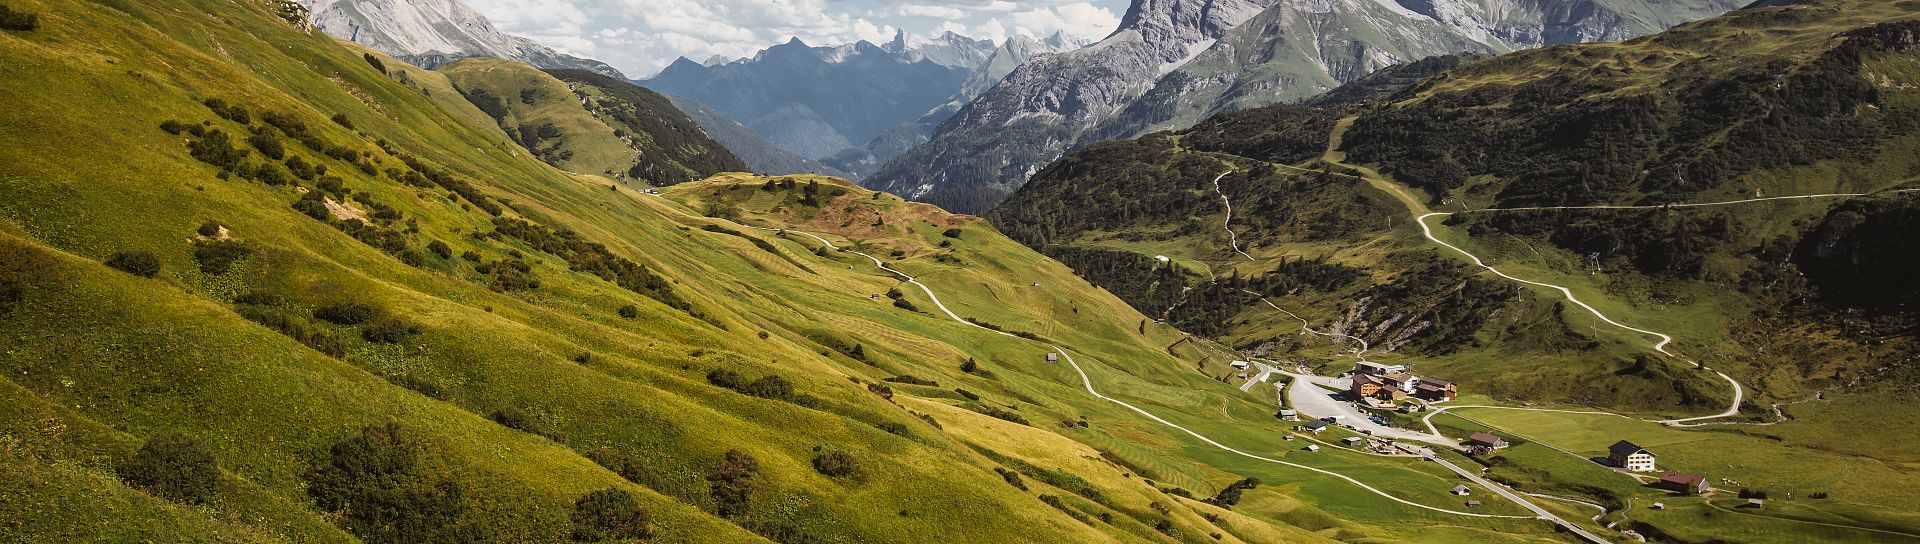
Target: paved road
x,y
1529,505
1265,371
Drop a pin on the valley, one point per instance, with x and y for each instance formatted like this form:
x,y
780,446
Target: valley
x,y
377,271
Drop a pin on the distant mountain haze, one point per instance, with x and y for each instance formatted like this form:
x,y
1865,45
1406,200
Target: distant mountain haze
x,y
852,106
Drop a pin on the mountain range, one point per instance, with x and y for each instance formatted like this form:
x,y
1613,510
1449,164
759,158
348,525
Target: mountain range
x,y
1175,62
856,105
433,33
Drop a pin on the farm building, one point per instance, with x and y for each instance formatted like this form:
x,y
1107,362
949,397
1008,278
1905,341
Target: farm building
x,y
1288,414
1486,440
1314,426
1053,357
1461,490
1684,483
1353,441
1626,455
1434,389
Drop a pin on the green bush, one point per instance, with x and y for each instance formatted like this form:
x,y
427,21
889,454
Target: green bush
x,y
259,308
233,112
11,293
513,418
951,233
300,168
215,147
374,62
11,19
217,257
609,514
268,173
209,229
172,126
138,263
311,205
175,467
630,311
836,464
440,248
389,330
268,143
377,485
912,380
342,120
732,483
346,313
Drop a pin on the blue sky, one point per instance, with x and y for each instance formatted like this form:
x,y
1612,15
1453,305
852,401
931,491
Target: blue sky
x,y
642,36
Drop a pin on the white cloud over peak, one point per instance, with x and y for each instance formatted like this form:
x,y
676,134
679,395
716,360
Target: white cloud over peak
x,y
642,36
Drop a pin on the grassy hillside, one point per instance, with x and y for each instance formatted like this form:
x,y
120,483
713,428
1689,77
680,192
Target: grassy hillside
x,y
581,121
373,316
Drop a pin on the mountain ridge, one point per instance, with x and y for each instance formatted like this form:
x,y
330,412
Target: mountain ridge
x,y
434,33
1177,45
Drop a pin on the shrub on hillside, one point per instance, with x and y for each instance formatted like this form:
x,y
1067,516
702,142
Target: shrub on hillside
x,y
266,172
268,143
259,308
346,313
11,293
382,493
836,464
732,483
513,418
312,206
609,514
231,112
217,257
139,263
342,120
209,229
389,330
300,168
175,467
1230,495
951,233
215,147
441,249
13,19
173,126
630,311
912,380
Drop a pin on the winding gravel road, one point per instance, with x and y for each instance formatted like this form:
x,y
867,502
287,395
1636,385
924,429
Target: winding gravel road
x,y
1087,382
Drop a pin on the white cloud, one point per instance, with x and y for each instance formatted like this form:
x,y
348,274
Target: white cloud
x,y
642,36
937,12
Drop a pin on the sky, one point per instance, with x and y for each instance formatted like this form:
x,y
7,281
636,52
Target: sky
x,y
642,36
